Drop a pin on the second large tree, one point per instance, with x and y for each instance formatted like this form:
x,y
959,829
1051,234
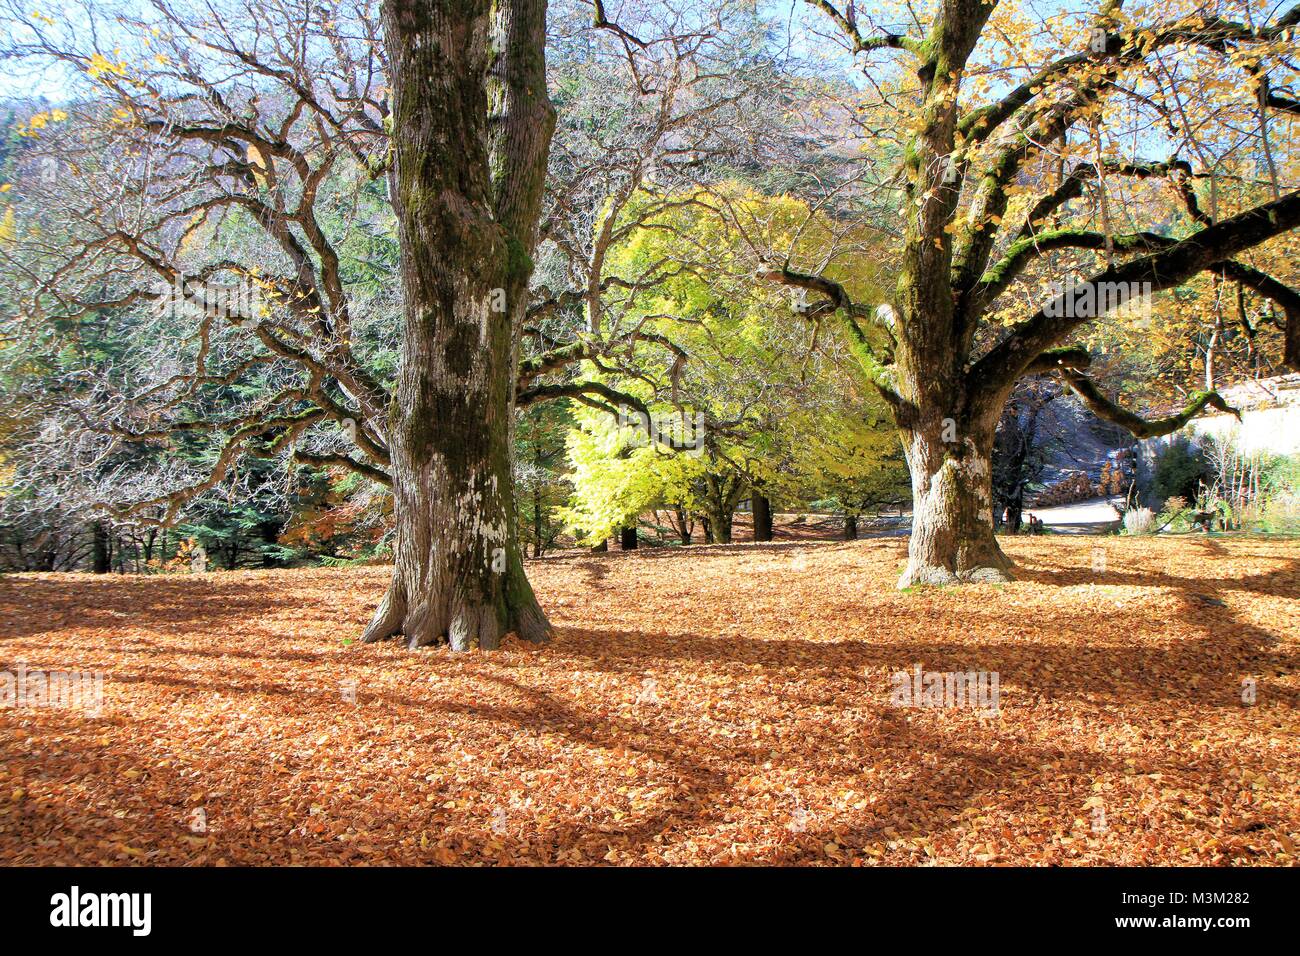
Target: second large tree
x,y
937,351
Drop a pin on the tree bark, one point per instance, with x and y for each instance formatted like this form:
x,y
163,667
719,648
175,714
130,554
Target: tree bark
x,y
101,562
952,512
683,524
471,126
850,527
762,518
722,492
627,539
1015,510
720,527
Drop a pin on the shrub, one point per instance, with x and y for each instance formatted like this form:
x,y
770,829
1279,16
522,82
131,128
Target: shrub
x,y
1176,515
1139,521
1282,474
1179,469
1280,508
1280,513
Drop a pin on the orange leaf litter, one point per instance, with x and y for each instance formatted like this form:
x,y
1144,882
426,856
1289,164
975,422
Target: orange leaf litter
x,y
721,705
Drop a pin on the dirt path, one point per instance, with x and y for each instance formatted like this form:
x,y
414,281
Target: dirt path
x,y
1097,516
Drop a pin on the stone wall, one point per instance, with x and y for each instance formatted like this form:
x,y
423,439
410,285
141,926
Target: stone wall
x,y
1270,421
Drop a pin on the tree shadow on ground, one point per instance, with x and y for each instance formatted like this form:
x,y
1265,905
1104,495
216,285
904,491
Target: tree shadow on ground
x,y
125,601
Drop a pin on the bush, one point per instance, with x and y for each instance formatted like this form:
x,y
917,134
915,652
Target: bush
x,y
1176,516
1139,521
1282,475
1280,508
1178,471
1280,513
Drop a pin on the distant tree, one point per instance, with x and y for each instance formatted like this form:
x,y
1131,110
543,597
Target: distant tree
x,y
617,474
1020,448
1179,469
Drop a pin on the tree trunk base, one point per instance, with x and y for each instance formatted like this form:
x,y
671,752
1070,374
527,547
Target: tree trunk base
x,y
986,565
952,539
466,625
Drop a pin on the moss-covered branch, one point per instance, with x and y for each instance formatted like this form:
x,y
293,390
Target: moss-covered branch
x,y
872,356
1164,269
1104,408
343,461
1023,251
1075,357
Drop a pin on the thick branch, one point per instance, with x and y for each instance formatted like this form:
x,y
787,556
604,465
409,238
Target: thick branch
x,y
1103,407
343,461
1023,251
1165,269
582,392
1074,357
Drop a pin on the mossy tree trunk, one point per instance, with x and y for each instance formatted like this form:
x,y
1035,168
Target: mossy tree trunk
x,y
952,515
471,129
948,443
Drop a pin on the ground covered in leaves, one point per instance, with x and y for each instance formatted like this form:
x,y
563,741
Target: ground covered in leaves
x,y
716,705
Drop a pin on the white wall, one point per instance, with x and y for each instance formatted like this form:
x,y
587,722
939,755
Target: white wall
x,y
1274,430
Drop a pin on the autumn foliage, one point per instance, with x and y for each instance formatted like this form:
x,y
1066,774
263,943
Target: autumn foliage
x,y
722,705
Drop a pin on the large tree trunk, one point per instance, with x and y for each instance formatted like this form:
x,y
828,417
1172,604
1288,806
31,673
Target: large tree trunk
x,y
102,561
952,510
762,518
720,526
850,527
471,124
627,538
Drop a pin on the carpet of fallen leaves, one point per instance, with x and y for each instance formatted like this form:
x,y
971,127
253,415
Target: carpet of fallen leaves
x,y
719,705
